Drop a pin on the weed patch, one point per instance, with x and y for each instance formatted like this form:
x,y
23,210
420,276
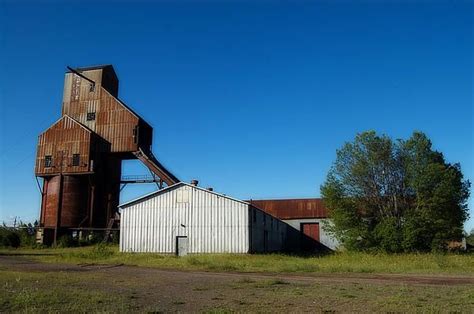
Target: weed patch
x,y
278,282
345,262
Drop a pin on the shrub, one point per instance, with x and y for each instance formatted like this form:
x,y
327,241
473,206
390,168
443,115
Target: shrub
x,y
27,234
388,236
101,251
9,237
66,241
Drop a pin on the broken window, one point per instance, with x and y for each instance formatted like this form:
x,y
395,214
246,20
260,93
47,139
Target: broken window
x,y
48,161
90,116
75,159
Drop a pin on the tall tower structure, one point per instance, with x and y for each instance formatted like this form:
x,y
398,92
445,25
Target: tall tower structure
x,y
80,156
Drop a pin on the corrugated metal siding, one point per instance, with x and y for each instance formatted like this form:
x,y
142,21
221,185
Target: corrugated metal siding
x,y
276,230
293,208
213,224
114,122
74,201
65,138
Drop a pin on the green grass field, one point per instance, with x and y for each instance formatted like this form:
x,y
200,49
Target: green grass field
x,y
279,263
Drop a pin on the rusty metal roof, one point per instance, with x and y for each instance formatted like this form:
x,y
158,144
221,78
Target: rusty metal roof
x,y
293,208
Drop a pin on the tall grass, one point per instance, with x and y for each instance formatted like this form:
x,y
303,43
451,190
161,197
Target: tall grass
x,y
345,262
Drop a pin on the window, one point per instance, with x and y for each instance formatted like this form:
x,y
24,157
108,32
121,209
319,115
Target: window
x,y
48,161
182,196
90,116
135,134
75,159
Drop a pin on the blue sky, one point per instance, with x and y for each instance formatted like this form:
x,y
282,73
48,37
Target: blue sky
x,y
251,98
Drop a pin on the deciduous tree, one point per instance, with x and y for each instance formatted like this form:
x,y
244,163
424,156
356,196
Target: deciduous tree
x,y
395,195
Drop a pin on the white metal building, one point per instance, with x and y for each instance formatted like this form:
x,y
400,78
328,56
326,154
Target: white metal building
x,y
307,215
185,218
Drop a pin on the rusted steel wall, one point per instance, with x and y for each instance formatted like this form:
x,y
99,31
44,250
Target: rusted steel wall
x,y
107,190
74,200
103,131
293,208
73,209
116,124
86,200
113,121
77,95
76,88
50,201
65,138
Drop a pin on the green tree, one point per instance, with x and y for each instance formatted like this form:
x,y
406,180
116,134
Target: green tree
x,y
395,195
470,238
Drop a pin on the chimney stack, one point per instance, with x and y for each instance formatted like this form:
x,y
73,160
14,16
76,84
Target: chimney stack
x,y
194,182
210,189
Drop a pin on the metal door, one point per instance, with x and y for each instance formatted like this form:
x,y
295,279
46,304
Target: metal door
x,y
181,245
311,230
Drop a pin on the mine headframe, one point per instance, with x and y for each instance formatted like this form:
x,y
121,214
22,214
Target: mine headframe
x,y
80,155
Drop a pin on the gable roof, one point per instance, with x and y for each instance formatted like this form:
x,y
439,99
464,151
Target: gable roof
x,y
69,118
172,187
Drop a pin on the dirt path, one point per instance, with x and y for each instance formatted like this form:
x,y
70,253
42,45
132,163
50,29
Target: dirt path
x,y
25,264
120,288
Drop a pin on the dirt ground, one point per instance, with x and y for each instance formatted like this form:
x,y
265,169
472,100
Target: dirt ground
x,y
148,289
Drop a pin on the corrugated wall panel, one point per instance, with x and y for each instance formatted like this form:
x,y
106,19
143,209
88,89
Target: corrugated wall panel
x,y
293,208
61,141
212,223
275,229
113,121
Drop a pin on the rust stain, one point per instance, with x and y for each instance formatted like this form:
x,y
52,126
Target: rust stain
x,y
80,156
293,208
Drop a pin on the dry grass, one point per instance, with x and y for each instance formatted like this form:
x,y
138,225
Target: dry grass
x,y
278,263
96,291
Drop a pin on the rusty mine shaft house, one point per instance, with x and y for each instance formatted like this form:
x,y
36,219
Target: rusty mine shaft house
x,y
80,157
